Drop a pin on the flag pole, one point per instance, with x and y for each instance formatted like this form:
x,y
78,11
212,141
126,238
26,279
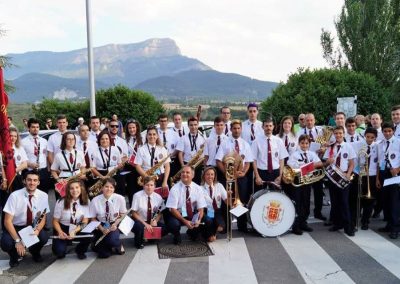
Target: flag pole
x,y
90,59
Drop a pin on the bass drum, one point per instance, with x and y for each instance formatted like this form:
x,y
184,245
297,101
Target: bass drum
x,y
271,213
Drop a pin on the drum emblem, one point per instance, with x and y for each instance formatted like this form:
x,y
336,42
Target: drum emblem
x,y
273,213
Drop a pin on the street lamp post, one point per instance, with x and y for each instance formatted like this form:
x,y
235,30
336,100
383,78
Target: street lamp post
x,y
90,59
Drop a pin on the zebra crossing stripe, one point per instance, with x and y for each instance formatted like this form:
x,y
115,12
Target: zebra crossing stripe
x,y
230,263
383,251
313,263
65,270
146,267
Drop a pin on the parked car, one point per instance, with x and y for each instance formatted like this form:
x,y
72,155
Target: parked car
x,y
45,133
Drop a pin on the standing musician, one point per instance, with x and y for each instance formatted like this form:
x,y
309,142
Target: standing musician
x,y
368,181
87,146
269,154
69,162
36,151
189,145
94,128
178,127
236,144
107,208
301,194
106,158
214,194
149,155
133,139
225,115
70,216
20,158
212,146
25,207
146,206
289,139
389,166
395,113
376,122
342,155
351,134
54,143
185,199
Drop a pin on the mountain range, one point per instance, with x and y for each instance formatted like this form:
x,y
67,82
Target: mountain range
x,y
155,65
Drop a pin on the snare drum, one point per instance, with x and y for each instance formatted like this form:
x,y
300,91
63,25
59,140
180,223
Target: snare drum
x,y
337,177
271,213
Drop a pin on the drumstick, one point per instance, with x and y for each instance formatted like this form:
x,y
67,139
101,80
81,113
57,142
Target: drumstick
x,y
274,184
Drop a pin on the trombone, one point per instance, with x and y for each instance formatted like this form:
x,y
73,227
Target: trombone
x,y
362,159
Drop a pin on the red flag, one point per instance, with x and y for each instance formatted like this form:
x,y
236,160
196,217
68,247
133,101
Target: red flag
x,y
5,141
307,168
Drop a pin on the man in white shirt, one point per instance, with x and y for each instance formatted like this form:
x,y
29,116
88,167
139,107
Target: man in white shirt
x,y
36,150
94,128
376,122
396,120
54,143
225,115
186,205
351,135
25,207
178,125
252,127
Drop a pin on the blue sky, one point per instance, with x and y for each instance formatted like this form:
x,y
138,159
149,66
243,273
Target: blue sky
x,y
263,39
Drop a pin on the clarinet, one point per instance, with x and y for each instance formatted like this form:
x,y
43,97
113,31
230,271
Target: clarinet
x,y
39,220
159,210
38,155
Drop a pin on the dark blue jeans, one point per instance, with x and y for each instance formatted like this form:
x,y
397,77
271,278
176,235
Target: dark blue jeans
x,y
59,246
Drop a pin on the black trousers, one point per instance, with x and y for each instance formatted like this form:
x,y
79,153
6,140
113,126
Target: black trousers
x,y
174,227
340,209
131,183
366,205
318,189
266,176
391,202
301,197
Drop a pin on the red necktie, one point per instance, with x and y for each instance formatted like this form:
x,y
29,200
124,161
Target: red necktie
x,y
214,203
87,161
270,169
71,158
286,142
338,157
311,136
107,211
29,215
73,220
252,132
112,141
237,149
148,210
36,150
351,139
189,208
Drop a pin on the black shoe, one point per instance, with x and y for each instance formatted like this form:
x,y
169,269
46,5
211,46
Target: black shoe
x,y
385,229
306,228
364,227
320,216
297,231
335,228
243,230
81,255
393,235
349,232
177,240
61,256
37,257
139,246
14,263
376,215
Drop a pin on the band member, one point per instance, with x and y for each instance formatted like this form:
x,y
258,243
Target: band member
x,y
389,166
36,150
351,134
178,126
185,200
94,128
149,155
70,216
54,143
24,208
342,155
116,140
213,144
106,158
301,194
214,194
368,182
146,206
287,135
396,120
252,127
69,162
107,208
313,132
20,158
190,145
236,144
340,120
86,145
134,141
376,122
225,114
269,154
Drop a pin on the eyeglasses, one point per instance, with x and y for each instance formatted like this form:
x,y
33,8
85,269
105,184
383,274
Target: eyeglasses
x,y
301,118
114,126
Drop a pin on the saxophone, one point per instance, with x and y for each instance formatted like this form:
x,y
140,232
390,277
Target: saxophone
x,y
150,172
194,162
95,189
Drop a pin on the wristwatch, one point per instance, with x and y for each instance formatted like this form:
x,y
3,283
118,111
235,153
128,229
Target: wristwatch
x,y
17,241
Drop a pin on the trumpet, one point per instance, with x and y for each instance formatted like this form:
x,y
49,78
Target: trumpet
x,y
294,176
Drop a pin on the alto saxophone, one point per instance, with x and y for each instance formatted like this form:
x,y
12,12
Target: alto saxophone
x,y
194,162
95,189
150,172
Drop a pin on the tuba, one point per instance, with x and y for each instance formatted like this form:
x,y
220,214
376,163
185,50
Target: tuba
x,y
294,176
327,133
194,162
150,172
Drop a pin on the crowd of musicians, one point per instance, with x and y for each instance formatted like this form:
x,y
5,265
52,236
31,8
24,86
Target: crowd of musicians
x,y
175,177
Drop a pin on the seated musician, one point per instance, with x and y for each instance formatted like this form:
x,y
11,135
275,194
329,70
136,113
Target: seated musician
x,y
69,162
146,206
150,154
185,199
70,216
107,208
25,207
214,193
301,195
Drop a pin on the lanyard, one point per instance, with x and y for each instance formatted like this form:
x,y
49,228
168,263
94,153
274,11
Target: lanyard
x,y
68,163
106,165
193,145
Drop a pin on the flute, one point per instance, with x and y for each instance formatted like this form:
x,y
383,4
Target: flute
x,y
75,237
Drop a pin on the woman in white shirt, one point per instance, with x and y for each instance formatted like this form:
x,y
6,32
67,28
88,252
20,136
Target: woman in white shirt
x,y
70,215
107,208
20,158
214,194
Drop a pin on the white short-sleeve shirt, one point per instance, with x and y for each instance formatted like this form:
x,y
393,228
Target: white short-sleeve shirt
x,y
212,147
17,205
389,154
102,161
19,155
64,215
143,157
121,145
373,156
54,143
299,158
177,196
189,148
346,153
260,151
63,164
292,142
218,194
116,204
246,130
171,139
139,203
30,148
228,146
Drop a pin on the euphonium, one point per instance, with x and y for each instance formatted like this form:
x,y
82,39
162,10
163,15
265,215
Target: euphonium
x,y
194,162
150,172
327,132
233,163
294,176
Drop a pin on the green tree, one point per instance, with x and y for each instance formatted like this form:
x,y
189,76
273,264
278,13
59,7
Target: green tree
x,y
127,103
317,92
369,37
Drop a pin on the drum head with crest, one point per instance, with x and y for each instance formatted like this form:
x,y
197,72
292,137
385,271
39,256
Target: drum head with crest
x,y
272,213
